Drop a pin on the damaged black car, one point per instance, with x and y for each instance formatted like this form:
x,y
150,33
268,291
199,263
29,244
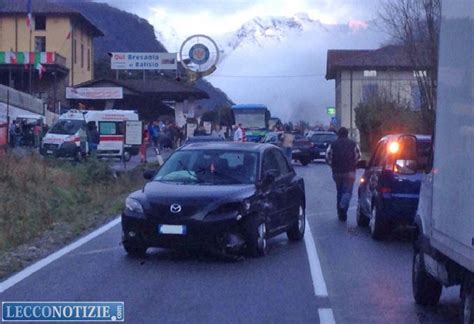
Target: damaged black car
x,y
226,197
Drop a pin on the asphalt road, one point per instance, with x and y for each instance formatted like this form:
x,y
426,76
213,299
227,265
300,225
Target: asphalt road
x,y
367,281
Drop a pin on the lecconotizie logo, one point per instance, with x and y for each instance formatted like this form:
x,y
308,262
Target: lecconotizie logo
x,y
63,311
175,208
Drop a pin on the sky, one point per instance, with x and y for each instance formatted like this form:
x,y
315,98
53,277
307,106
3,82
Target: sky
x,y
216,17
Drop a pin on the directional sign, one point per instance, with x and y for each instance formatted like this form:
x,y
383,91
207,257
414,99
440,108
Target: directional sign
x,y
333,121
143,61
331,111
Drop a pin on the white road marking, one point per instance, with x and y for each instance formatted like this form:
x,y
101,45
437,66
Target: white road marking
x,y
13,280
326,316
319,284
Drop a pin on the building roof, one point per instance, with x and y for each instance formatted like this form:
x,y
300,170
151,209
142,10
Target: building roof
x,y
162,88
388,57
19,7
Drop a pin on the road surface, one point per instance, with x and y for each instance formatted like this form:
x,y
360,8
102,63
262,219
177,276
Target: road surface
x,y
362,281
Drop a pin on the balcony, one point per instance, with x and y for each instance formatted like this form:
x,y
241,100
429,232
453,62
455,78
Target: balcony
x,y
24,58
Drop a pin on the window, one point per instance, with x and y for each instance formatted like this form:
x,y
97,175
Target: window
x,y
370,73
74,51
108,128
40,22
282,162
419,74
40,44
270,163
415,97
378,158
369,91
88,59
82,55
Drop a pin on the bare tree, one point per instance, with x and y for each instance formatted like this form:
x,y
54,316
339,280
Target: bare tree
x,y
415,24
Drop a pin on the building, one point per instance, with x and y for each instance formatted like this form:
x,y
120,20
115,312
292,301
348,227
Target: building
x,y
359,74
60,39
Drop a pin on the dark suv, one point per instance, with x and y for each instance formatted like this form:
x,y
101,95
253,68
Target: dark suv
x,y
390,187
321,141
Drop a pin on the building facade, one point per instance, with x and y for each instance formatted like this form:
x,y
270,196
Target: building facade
x,y
60,32
360,74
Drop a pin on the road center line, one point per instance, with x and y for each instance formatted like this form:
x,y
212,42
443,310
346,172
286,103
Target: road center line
x,y
326,316
25,273
319,284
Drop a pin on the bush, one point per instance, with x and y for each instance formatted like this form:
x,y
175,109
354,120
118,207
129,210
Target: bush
x,y
380,116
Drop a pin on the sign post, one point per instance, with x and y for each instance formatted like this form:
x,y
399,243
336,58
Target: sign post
x,y
133,136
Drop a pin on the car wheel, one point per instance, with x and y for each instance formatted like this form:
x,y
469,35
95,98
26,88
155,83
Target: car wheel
x,y
426,290
468,306
362,220
134,250
257,238
296,231
379,226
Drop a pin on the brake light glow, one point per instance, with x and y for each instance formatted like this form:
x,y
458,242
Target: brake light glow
x,y
393,147
383,190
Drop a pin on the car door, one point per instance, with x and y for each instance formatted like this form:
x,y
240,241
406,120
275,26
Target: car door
x,y
289,189
275,194
373,173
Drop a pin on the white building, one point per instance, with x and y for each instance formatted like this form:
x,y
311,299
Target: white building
x,y
361,73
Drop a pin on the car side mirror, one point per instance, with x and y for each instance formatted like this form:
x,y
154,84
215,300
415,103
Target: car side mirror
x,y
149,174
406,167
362,164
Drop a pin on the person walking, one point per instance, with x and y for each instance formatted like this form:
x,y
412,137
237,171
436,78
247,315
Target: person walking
x,y
287,142
12,134
93,139
239,134
342,155
37,134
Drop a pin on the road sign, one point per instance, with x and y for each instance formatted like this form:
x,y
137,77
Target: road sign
x,y
143,61
333,121
331,111
133,132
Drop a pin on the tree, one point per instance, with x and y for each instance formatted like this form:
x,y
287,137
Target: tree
x,y
416,24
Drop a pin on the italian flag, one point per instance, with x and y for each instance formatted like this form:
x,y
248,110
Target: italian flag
x,y
41,69
27,57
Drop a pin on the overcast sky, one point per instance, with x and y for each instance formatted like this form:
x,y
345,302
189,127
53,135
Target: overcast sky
x,y
216,17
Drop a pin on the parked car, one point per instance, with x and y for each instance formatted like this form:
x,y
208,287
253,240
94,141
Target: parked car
x,y
390,186
227,197
321,141
302,147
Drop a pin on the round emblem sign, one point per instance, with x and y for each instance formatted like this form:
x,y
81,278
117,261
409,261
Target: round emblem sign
x,y
199,54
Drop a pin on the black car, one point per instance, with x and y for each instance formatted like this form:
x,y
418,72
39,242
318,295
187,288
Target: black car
x,y
321,141
203,138
390,186
227,197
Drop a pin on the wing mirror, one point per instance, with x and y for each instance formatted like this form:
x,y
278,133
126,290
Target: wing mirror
x,y
362,164
405,167
149,174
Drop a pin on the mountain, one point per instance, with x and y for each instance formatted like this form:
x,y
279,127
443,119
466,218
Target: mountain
x,y
281,62
126,32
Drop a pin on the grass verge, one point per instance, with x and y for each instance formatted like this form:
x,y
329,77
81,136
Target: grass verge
x,y
45,204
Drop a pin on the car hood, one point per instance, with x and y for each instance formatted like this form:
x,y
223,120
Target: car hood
x,y
195,201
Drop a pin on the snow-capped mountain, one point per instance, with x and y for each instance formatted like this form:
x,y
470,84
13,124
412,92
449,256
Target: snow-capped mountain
x,y
281,62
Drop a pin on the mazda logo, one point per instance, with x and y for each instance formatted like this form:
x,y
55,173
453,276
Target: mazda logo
x,y
175,208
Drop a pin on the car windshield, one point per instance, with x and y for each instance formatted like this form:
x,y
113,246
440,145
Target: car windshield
x,y
66,127
251,120
211,167
323,138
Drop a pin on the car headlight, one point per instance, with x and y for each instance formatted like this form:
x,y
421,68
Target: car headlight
x,y
133,205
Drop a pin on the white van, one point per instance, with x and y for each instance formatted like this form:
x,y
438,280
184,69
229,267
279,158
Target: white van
x,y
68,136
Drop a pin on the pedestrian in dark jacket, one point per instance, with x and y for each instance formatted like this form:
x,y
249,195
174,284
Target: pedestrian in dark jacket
x,y
342,155
93,139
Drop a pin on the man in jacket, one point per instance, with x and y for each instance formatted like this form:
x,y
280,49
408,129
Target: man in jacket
x,y
342,155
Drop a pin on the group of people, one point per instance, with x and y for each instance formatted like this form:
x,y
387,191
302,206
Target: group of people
x,y
160,136
22,133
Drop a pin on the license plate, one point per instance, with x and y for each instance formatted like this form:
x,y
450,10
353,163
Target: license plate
x,y
49,152
172,229
322,153
296,151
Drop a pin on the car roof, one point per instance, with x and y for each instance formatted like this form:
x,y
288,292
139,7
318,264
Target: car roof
x,y
419,137
205,138
230,146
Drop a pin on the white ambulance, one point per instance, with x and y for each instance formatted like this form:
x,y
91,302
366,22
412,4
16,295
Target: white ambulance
x,y
68,136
